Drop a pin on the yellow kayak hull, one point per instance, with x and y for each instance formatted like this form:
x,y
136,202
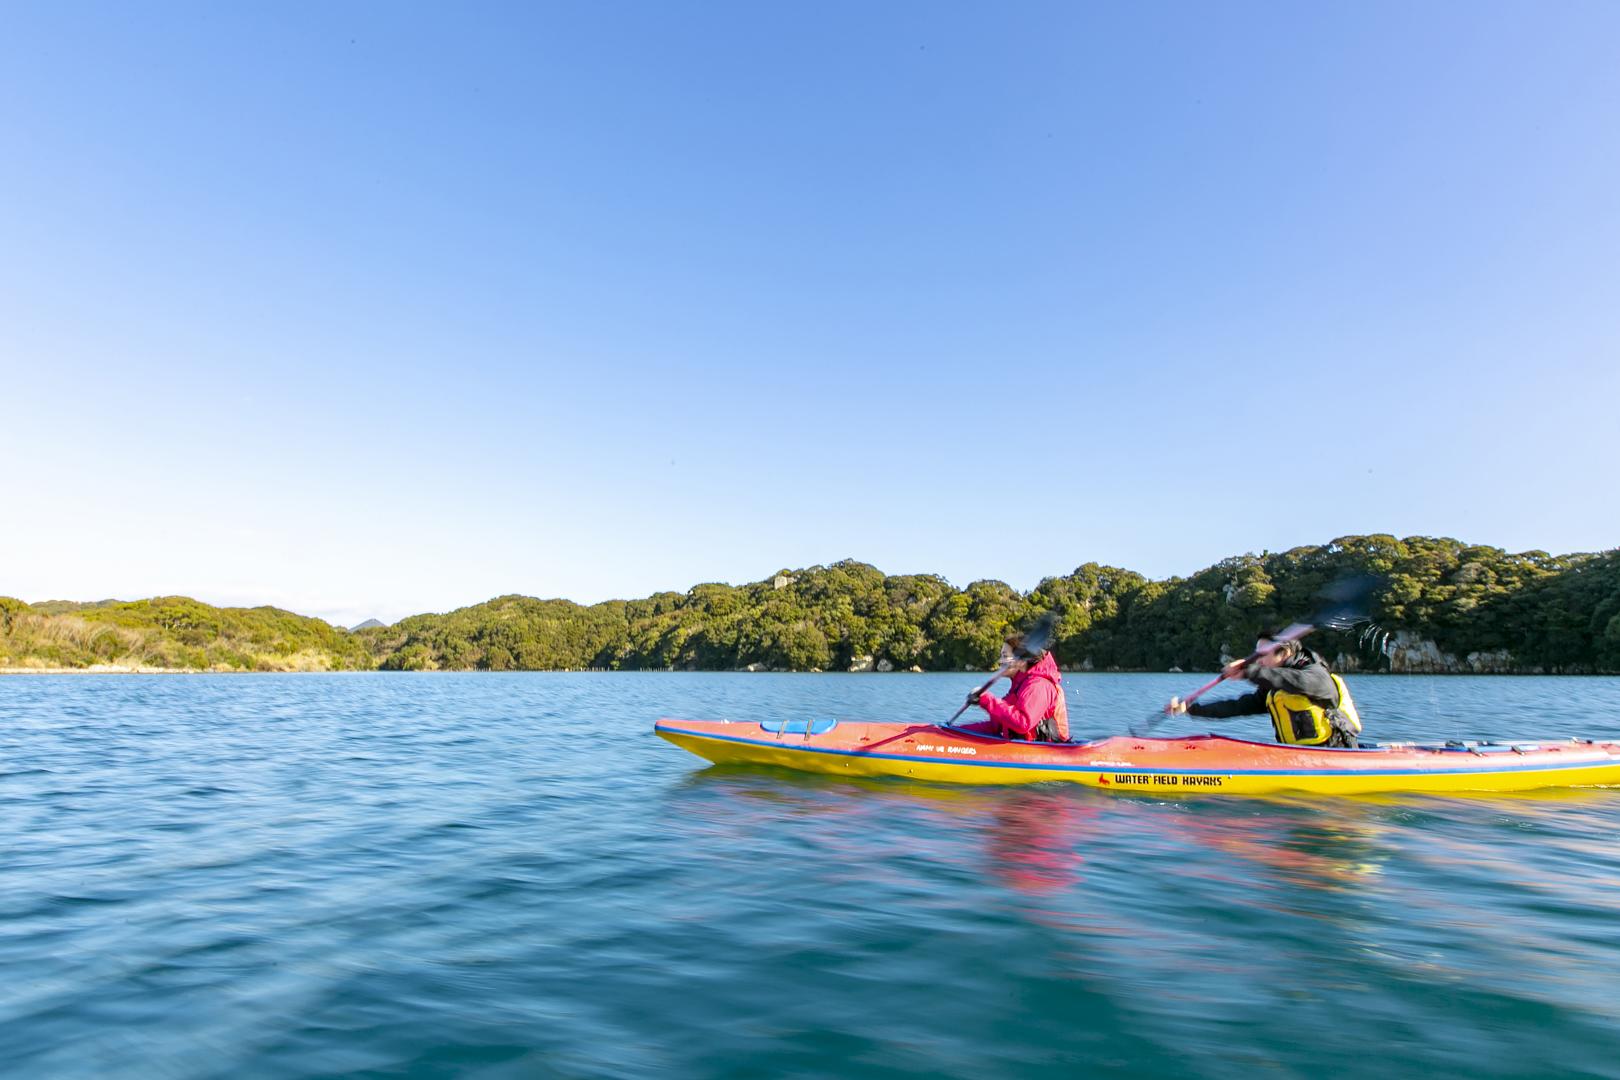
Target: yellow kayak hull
x,y
1204,764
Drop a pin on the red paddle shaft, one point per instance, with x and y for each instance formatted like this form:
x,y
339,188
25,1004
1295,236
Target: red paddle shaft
x,y
1293,633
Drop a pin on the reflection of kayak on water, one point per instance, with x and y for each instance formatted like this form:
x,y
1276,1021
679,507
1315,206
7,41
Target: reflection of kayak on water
x,y
1199,763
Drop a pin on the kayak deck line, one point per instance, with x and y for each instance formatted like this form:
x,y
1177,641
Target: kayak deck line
x,y
1199,762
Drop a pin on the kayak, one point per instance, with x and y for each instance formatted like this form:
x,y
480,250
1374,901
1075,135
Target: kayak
x,y
1194,764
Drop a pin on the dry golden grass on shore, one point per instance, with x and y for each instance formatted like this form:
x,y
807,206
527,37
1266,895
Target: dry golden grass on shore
x,y
35,640
193,638
95,669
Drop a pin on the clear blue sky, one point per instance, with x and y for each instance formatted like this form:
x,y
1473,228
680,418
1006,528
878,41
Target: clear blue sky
x,y
380,308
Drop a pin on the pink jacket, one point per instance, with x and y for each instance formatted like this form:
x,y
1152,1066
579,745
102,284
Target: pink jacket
x,y
1034,697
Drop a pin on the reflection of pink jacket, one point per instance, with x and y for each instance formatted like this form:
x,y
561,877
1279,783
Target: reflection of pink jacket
x,y
1034,697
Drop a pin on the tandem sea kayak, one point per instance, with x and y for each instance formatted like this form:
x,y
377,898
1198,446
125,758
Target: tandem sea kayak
x,y
1199,763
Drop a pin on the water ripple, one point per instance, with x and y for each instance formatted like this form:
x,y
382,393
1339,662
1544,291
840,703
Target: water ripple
x,y
507,876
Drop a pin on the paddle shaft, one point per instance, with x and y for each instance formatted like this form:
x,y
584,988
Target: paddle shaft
x,y
976,694
1293,633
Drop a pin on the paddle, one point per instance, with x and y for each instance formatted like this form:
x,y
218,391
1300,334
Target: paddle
x,y
1036,641
1344,606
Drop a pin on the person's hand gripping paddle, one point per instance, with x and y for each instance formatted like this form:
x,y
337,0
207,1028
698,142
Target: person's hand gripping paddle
x,y
1036,641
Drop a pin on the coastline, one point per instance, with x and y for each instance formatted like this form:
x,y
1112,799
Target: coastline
x,y
116,669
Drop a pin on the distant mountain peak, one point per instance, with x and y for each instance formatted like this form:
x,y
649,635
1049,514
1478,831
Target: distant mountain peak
x,y
369,624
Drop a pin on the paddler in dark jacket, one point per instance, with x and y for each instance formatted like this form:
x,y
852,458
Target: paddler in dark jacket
x,y
1308,704
1035,707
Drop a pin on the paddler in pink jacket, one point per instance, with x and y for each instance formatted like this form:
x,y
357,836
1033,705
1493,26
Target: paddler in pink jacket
x,y
1035,707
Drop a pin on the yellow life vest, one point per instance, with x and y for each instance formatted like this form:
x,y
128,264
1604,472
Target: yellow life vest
x,y
1299,721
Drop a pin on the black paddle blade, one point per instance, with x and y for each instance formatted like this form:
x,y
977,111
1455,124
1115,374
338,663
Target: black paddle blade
x,y
1038,638
1141,729
1346,603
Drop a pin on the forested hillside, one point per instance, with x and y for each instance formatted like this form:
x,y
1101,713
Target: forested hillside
x,y
1445,605
1442,605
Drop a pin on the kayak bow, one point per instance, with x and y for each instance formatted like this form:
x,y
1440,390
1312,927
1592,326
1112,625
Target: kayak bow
x,y
1198,763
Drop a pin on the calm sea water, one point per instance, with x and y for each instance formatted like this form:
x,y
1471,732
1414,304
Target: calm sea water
x,y
509,875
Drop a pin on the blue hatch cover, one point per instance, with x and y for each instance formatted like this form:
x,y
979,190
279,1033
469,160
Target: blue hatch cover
x,y
798,727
